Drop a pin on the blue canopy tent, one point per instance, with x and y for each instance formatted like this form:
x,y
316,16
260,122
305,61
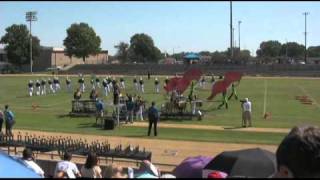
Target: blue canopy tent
x,y
13,168
191,58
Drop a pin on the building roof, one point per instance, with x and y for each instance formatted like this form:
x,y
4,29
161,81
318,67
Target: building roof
x,y
191,56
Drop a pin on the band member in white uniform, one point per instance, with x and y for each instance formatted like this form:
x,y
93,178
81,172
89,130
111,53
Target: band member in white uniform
x,y
38,88
122,85
105,87
157,85
109,84
50,86
82,86
135,83
141,85
30,88
98,82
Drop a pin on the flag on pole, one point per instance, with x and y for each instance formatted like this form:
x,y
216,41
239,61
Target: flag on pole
x,y
217,88
193,74
232,76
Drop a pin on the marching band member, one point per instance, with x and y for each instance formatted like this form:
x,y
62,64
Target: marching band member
x,y
141,85
122,85
38,88
105,86
43,87
68,83
30,85
135,83
98,82
50,86
157,86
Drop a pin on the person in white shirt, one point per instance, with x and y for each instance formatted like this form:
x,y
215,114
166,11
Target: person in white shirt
x,y
28,160
246,113
66,167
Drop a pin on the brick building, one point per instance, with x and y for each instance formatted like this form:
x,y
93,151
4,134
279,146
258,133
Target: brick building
x,y
53,57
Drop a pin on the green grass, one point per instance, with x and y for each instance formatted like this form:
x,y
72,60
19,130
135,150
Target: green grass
x,y
286,111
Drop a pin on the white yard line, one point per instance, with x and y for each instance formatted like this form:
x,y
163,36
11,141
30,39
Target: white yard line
x,y
306,93
265,97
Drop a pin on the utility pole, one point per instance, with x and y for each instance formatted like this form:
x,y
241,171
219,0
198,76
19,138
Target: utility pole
x,y
305,36
231,38
239,22
31,16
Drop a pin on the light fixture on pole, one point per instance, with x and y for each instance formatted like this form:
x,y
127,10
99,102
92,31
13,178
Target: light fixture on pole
x,y
31,16
239,22
305,36
231,38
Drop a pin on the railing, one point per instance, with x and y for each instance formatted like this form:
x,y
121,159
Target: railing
x,y
75,146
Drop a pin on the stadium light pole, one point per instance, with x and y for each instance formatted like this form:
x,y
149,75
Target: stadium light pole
x,y
239,22
31,16
305,36
231,39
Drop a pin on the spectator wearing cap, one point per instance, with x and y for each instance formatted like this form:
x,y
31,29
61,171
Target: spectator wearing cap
x,y
28,160
66,167
246,113
298,155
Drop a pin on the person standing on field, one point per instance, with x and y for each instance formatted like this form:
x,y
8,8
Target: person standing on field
x,y
9,119
153,116
246,113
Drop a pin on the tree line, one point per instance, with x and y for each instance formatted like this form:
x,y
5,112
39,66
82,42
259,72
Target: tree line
x,y
82,41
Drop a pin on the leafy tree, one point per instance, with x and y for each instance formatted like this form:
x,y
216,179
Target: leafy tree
x,y
270,48
17,44
142,49
81,41
314,51
292,50
122,52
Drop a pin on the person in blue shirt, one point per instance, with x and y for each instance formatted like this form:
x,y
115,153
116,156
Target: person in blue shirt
x,y
100,110
9,119
153,116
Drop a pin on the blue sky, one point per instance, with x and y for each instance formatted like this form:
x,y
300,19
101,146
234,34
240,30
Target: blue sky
x,y
178,26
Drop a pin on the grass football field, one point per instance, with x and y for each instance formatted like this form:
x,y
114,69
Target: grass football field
x,y
277,96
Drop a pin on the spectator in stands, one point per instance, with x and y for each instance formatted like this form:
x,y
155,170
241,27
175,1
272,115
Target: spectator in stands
x,y
91,169
66,167
153,116
118,172
9,120
1,121
298,155
28,160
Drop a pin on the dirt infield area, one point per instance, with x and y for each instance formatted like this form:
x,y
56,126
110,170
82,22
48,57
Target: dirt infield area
x,y
163,151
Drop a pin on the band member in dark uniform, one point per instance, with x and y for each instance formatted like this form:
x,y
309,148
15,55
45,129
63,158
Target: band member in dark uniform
x,y
68,83
43,87
149,75
116,93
